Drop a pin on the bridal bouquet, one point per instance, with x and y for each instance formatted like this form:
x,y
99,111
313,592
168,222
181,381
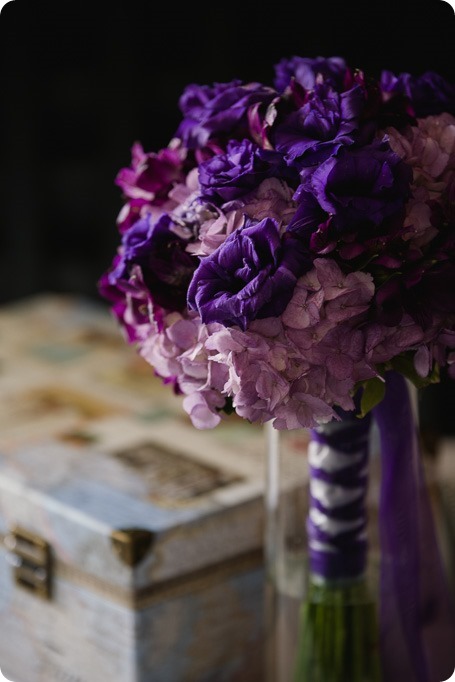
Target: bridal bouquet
x,y
290,256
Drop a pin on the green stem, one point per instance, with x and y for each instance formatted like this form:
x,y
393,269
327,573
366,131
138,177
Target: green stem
x,y
338,639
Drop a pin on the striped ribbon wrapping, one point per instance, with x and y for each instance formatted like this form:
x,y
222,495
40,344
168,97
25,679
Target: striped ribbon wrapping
x,y
336,524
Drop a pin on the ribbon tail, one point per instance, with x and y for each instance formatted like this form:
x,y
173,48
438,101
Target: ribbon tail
x,y
416,611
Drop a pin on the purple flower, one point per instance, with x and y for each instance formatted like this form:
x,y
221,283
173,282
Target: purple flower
x,y
423,286
309,219
251,275
425,294
203,408
327,121
147,183
242,169
131,302
382,342
429,93
131,212
340,350
336,285
360,187
116,297
166,267
151,176
302,410
305,71
218,110
304,308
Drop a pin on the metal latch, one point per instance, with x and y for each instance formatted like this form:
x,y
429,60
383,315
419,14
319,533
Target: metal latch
x,y
31,559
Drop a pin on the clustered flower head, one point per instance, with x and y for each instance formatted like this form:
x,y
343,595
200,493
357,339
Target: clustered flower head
x,y
292,243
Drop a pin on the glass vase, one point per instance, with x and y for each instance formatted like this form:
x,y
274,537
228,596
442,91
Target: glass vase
x,y
325,548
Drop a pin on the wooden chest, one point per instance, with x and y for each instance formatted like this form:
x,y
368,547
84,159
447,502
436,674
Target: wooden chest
x,y
132,543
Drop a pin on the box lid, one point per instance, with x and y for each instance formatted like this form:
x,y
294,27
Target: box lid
x,y
100,460
146,505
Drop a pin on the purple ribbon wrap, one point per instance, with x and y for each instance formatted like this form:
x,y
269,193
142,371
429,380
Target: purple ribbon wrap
x,y
347,555
417,624
416,612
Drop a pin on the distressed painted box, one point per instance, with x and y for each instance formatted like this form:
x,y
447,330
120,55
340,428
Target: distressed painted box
x,y
131,542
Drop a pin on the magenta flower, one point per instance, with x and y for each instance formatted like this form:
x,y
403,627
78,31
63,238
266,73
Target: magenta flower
x,y
131,303
151,176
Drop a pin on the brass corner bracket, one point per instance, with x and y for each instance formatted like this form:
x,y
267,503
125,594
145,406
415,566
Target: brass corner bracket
x,y
132,544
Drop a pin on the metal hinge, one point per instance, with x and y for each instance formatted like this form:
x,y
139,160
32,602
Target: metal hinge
x,y
31,559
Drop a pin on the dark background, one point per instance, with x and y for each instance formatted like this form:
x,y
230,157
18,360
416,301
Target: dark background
x,y
81,81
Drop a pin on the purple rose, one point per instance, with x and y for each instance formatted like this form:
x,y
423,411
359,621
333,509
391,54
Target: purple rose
x,y
251,275
166,267
360,186
218,110
305,71
430,94
324,123
241,169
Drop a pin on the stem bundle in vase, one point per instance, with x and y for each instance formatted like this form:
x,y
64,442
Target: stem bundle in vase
x,y
339,634
291,249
